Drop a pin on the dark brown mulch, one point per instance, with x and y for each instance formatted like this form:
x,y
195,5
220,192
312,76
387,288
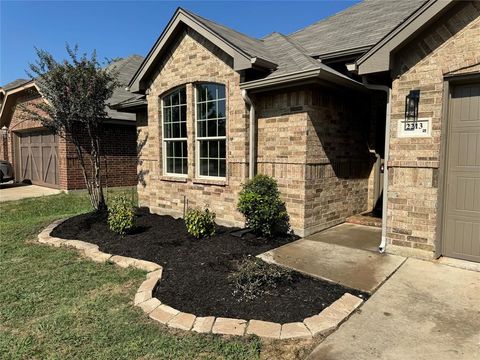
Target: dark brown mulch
x,y
195,275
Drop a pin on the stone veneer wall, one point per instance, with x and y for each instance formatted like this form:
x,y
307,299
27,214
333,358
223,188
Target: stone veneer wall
x,y
452,44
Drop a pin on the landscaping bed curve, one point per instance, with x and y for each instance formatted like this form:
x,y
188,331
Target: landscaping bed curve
x,y
322,321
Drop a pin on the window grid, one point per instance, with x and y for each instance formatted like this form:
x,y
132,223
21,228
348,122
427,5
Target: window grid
x,y
174,133
211,130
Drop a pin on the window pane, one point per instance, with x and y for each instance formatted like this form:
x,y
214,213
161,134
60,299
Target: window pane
x,y
211,110
202,111
183,96
183,129
204,167
201,128
221,127
170,165
176,130
221,91
183,113
175,114
184,166
204,149
175,98
178,166
167,115
212,167
222,170
211,91
221,108
223,148
212,128
213,149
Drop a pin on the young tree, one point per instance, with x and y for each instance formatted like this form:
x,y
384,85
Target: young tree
x,y
75,91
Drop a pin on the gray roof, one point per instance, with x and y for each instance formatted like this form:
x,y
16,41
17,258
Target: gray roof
x,y
289,55
359,26
125,68
14,84
249,45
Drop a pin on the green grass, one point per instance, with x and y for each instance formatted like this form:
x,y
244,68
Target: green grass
x,y
56,305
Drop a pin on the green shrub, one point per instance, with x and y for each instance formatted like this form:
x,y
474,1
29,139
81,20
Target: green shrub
x,y
260,203
255,277
200,223
121,214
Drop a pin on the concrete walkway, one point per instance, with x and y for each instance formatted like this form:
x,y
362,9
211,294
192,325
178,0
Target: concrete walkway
x,y
424,311
355,268
10,192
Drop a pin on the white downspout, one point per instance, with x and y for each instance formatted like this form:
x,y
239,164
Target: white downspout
x,y
252,140
388,91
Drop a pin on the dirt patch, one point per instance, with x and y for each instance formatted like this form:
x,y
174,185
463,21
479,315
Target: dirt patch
x,y
196,272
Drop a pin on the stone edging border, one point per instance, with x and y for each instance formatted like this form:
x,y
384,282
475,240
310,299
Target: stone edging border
x,y
323,323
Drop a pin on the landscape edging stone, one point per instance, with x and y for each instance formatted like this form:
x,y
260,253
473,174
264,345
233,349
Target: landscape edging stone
x,y
322,323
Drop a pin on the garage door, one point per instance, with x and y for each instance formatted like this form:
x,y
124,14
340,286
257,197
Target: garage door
x,y
37,158
461,231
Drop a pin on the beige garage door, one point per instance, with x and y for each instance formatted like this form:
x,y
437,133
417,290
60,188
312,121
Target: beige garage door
x,y
461,231
37,158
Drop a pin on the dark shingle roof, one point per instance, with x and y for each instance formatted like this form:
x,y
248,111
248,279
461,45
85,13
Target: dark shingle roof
x,y
251,46
289,55
14,84
125,68
362,25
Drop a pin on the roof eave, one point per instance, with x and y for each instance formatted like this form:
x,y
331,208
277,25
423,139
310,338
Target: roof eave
x,y
302,77
378,58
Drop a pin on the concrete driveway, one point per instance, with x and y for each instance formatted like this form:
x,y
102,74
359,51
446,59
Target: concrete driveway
x,y
424,311
10,192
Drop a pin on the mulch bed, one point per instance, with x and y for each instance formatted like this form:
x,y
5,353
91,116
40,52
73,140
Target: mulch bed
x,y
195,272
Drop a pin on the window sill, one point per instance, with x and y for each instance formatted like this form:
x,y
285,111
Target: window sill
x,y
173,178
210,182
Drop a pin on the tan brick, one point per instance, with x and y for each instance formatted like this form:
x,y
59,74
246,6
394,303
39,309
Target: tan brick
x,y
295,330
149,305
203,324
264,329
163,313
229,326
183,321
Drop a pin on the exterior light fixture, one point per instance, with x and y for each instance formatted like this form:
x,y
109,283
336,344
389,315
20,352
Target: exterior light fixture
x,y
4,132
411,107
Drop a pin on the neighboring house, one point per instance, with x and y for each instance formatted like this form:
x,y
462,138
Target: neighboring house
x,y
315,109
46,159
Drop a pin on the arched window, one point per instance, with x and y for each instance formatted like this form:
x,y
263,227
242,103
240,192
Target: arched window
x,y
174,116
211,119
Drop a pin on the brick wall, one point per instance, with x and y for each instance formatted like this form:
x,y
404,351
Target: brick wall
x,y
320,184
449,45
119,158
192,59
118,141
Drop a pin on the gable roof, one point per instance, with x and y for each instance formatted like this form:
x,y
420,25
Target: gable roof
x,y
358,27
245,51
124,67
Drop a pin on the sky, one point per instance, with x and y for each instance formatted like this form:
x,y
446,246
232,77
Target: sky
x,y
121,28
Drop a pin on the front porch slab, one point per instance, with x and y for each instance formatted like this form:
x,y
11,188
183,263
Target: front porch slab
x,y
355,268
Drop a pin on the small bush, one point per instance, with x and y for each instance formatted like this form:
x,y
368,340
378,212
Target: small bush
x,y
121,214
260,203
255,277
200,223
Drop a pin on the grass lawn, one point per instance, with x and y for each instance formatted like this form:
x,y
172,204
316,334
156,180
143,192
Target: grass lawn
x,y
56,305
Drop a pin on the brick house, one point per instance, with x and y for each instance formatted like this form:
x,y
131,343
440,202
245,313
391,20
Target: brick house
x,y
45,159
370,100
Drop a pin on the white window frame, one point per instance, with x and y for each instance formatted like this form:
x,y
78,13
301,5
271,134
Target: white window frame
x,y
165,140
199,139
